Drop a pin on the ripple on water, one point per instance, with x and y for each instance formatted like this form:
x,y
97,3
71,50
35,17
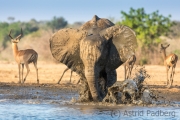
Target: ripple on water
x,y
46,109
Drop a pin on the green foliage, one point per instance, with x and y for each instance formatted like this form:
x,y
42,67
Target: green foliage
x,y
29,27
143,61
75,25
5,28
177,52
57,23
174,33
36,34
148,27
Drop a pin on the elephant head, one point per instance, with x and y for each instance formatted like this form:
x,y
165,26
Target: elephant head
x,y
94,51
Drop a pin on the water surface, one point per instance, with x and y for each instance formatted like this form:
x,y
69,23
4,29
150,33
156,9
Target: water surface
x,y
48,109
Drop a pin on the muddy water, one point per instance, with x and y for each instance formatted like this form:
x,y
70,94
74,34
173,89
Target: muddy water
x,y
47,102
48,109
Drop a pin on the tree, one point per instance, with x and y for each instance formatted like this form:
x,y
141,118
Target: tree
x,y
57,23
175,30
148,28
28,27
11,19
76,25
4,31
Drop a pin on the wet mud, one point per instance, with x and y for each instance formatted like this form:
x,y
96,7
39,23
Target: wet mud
x,y
51,101
69,93
35,91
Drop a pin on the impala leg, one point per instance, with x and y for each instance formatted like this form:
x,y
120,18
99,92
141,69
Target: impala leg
x,y
22,71
28,70
78,81
19,67
125,72
131,69
173,71
71,76
172,74
167,69
62,75
171,78
35,65
128,71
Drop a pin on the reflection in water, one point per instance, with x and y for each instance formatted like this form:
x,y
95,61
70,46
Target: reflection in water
x,y
33,109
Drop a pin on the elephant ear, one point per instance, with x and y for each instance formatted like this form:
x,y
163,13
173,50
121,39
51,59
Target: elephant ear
x,y
123,38
64,46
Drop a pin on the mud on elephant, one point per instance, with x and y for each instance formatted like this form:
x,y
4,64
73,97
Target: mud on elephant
x,y
94,51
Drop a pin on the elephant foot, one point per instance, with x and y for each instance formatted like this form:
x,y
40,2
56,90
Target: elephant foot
x,y
85,97
84,93
97,99
19,81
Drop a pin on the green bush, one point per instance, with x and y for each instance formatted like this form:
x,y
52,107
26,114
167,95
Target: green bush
x,y
177,52
148,28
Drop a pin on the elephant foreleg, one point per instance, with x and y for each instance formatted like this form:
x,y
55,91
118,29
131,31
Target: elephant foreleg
x,y
84,91
111,78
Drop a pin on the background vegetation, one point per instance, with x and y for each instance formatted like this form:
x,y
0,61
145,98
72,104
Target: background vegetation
x,y
149,28
152,30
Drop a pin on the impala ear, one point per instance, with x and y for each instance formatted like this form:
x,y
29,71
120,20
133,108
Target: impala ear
x,y
123,38
162,45
168,45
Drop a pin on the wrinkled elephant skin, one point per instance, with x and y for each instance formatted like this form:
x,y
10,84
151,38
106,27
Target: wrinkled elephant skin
x,y
94,51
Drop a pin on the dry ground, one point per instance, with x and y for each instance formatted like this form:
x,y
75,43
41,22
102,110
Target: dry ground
x,y
49,73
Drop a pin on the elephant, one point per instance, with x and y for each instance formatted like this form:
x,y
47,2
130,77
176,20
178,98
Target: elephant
x,y
94,51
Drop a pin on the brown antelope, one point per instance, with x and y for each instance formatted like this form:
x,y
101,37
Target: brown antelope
x,y
128,66
23,57
70,76
170,62
63,75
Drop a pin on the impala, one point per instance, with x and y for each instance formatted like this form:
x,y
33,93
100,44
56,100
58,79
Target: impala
x,y
70,76
63,75
170,62
23,57
128,66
